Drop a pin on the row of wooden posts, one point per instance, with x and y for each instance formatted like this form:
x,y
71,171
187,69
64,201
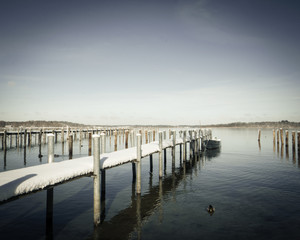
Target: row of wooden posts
x,y
99,174
24,137
280,137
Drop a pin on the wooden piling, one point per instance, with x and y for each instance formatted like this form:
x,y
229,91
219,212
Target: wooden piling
x,y
153,135
293,140
126,138
71,146
259,134
138,160
4,140
281,136
62,137
96,170
160,153
116,140
25,137
274,136
90,144
184,146
146,136
50,148
298,142
286,138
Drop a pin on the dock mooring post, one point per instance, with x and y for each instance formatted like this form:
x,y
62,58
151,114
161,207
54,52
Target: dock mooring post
x,y
259,134
90,144
286,138
103,173
96,170
184,146
50,148
70,146
173,148
160,153
138,160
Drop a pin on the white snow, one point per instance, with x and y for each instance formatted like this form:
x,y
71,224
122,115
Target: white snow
x,y
25,180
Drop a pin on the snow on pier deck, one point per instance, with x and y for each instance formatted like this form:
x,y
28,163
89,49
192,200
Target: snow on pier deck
x,y
22,181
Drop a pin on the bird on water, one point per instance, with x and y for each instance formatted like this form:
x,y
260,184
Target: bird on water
x,y
211,209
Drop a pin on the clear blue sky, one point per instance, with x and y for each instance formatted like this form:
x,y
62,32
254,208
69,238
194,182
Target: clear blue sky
x,y
150,62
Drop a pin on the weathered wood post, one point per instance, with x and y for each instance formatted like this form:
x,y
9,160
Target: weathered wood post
x,y
50,148
71,146
4,140
286,138
96,170
138,160
62,135
146,136
116,140
298,142
160,153
281,136
277,131
293,140
90,144
55,136
173,149
274,136
29,137
126,138
25,137
103,172
259,134
154,135
184,146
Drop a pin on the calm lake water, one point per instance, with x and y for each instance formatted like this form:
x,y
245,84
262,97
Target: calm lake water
x,y
254,189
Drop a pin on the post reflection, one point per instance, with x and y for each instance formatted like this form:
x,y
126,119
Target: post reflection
x,y
49,214
129,221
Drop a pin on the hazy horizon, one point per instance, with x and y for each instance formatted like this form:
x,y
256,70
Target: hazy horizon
x,y
192,62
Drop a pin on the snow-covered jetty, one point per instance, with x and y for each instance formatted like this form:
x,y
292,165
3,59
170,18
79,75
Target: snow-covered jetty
x,y
23,181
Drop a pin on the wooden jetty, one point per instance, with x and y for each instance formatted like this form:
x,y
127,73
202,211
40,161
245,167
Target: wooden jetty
x,y
19,182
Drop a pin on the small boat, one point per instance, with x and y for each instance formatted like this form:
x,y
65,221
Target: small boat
x,y
213,143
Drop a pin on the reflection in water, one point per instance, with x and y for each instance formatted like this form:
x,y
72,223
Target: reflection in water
x,y
129,221
49,214
24,156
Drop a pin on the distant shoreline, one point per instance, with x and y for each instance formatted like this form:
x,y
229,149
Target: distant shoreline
x,y
281,124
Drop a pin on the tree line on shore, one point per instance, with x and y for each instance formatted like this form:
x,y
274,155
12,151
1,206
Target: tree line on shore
x,y
41,123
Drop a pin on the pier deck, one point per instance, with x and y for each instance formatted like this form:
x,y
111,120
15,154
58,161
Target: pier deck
x,y
23,181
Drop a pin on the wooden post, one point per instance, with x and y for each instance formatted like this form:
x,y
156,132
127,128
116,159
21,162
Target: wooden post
x,y
55,136
103,171
153,135
71,146
173,149
62,135
138,160
298,142
274,136
184,146
25,137
126,139
50,148
116,140
146,136
281,136
293,140
286,138
160,153
259,133
90,144
4,140
96,169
